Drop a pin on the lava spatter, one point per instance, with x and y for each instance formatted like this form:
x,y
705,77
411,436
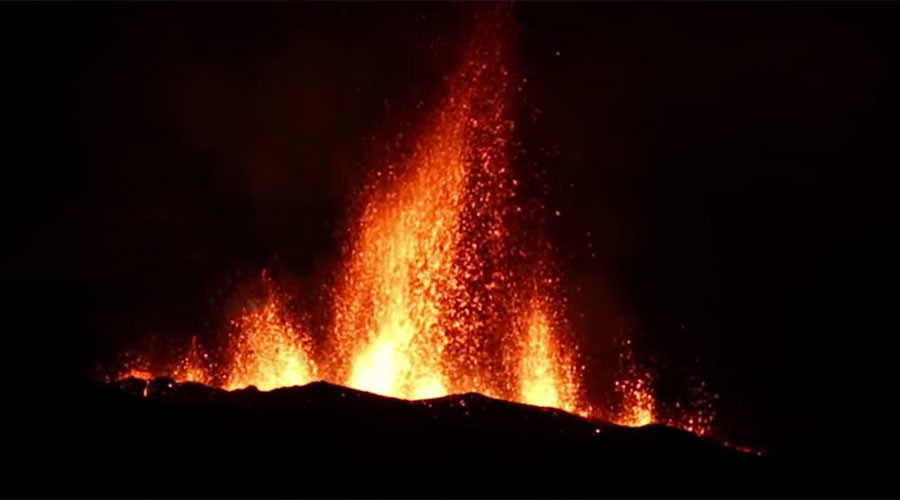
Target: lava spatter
x,y
268,348
440,289
433,291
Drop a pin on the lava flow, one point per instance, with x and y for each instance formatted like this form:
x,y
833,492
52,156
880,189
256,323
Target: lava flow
x,y
441,290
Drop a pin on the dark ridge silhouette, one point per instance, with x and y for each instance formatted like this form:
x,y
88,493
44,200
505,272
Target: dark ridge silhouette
x,y
132,439
171,439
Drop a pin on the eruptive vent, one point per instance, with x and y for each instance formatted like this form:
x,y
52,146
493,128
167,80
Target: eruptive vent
x,y
445,287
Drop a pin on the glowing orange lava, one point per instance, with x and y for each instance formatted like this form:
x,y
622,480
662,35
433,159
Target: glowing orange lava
x,y
430,298
267,349
440,290
194,366
543,380
639,403
135,373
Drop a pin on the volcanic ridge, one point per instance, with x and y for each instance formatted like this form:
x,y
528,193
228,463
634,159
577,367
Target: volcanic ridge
x,y
322,439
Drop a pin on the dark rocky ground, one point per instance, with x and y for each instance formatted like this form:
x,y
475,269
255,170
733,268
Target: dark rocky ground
x,y
188,440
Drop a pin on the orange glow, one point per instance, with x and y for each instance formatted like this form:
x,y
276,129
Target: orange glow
x,y
639,403
193,367
136,366
267,349
697,415
430,297
543,379
440,291
135,373
400,284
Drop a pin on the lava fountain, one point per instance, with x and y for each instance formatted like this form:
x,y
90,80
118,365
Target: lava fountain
x,y
445,285
268,350
433,298
544,379
194,367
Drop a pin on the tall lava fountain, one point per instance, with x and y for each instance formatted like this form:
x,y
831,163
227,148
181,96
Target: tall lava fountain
x,y
438,296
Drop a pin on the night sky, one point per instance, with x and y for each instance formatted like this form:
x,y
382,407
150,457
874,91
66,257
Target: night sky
x,y
724,174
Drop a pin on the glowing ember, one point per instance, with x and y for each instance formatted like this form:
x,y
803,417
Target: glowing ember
x,y
639,403
193,367
697,414
136,366
135,373
267,349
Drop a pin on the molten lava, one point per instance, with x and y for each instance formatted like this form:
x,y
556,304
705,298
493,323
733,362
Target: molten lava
x,y
429,302
638,404
268,350
635,389
441,290
194,367
543,379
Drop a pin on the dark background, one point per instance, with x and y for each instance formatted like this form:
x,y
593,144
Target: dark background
x,y
724,174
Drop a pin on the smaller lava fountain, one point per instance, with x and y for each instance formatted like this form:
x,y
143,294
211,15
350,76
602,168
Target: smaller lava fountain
x,y
542,380
194,367
267,349
638,406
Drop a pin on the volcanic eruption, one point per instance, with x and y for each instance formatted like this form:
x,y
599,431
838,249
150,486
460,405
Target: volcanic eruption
x,y
447,284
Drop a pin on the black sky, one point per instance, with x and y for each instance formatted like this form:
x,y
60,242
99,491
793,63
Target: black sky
x,y
724,173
